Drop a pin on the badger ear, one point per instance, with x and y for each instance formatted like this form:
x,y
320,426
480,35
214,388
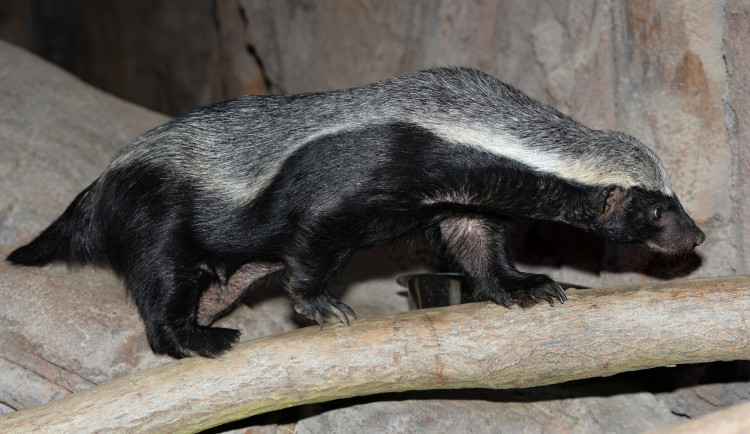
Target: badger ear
x,y
614,198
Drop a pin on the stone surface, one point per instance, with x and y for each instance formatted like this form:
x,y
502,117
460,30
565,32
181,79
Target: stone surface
x,y
673,99
737,105
71,329
695,390
572,411
703,399
58,134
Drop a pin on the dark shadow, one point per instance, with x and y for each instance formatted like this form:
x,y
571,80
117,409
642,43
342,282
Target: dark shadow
x,y
556,245
662,380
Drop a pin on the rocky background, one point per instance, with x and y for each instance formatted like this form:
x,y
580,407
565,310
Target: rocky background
x,y
675,75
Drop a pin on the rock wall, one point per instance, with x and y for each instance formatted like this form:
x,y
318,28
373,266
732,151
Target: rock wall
x,y
737,108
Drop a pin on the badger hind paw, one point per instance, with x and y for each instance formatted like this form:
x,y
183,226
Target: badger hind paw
x,y
324,306
197,340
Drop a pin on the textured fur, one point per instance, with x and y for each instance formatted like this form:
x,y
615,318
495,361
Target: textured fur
x,y
292,185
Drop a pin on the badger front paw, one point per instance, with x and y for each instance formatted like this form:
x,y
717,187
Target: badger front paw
x,y
324,306
525,290
535,287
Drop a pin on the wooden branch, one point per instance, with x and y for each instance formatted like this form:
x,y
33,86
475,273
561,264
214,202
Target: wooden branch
x,y
596,333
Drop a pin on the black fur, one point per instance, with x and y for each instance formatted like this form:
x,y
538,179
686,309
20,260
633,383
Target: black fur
x,y
172,242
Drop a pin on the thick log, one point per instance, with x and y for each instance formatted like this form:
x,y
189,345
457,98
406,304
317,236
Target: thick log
x,y
596,333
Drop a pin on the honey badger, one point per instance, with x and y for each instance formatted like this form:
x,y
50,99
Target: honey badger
x,y
294,184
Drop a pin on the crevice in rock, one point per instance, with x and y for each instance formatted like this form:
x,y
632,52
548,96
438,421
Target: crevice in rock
x,y
272,87
6,404
253,52
680,415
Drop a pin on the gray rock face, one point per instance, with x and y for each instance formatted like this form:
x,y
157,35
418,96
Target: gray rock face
x,y
58,134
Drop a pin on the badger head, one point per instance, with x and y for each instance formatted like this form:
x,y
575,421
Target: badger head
x,y
651,219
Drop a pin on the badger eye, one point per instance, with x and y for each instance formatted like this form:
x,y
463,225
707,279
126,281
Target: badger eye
x,y
656,213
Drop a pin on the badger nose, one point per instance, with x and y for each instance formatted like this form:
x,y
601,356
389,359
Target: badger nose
x,y
701,238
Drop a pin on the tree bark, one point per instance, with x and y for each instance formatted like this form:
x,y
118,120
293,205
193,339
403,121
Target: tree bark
x,y
597,332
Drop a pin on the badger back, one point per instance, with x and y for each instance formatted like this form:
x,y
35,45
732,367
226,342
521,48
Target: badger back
x,y
236,148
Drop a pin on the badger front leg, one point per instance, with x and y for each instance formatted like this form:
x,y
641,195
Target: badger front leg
x,y
479,246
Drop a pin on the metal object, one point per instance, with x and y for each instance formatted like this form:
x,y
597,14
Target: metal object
x,y
427,290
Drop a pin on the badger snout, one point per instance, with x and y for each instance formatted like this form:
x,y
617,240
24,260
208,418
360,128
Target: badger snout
x,y
677,239
693,235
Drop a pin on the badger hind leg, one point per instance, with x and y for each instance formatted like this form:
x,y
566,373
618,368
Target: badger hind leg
x,y
167,292
479,245
223,296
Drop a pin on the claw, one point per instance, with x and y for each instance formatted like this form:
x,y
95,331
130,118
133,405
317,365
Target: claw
x,y
320,309
348,310
548,297
560,293
339,314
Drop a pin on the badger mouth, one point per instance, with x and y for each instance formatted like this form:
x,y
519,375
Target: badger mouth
x,y
672,249
664,250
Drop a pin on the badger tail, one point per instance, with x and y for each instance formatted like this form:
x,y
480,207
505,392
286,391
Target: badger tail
x,y
71,238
